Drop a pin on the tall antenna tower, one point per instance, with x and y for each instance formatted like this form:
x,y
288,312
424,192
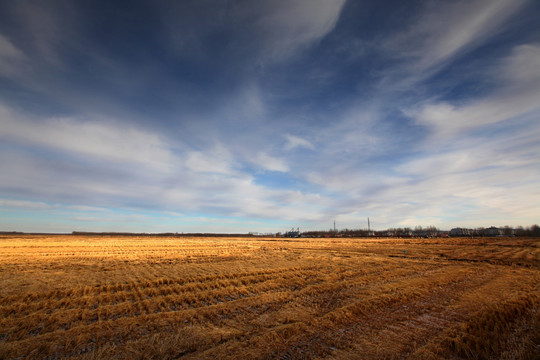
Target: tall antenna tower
x,y
334,225
368,226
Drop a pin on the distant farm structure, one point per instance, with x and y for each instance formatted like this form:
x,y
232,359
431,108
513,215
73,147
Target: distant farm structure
x,y
293,233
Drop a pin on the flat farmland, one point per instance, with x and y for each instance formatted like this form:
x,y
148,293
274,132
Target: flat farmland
x,y
127,297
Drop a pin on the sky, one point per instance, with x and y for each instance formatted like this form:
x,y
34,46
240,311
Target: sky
x,y
258,116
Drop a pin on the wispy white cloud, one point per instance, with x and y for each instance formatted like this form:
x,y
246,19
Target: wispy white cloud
x,y
115,218
294,142
98,138
271,31
217,160
89,208
11,58
517,94
152,175
23,204
271,163
289,26
482,159
46,25
445,31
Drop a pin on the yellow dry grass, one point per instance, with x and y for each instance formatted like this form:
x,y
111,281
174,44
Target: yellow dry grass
x,y
120,297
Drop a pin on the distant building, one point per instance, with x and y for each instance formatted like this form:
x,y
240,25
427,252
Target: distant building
x,y
404,233
389,233
293,233
460,232
493,231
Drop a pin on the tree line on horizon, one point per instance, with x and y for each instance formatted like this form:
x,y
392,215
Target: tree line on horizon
x,y
419,231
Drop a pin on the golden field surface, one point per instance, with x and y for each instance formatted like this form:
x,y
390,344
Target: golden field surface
x,y
122,297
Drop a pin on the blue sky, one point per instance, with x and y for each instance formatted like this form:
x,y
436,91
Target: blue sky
x,y
242,116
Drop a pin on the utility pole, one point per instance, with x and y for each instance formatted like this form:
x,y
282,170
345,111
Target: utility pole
x,y
368,226
334,225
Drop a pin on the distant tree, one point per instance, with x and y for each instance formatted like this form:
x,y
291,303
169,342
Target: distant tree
x,y
432,231
507,230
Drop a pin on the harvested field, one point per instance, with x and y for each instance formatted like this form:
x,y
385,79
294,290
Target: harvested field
x,y
85,297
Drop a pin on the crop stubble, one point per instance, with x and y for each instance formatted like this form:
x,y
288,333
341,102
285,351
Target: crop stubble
x,y
95,297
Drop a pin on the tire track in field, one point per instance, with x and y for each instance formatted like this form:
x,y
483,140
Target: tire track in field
x,y
314,337
85,296
123,312
134,303
399,330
